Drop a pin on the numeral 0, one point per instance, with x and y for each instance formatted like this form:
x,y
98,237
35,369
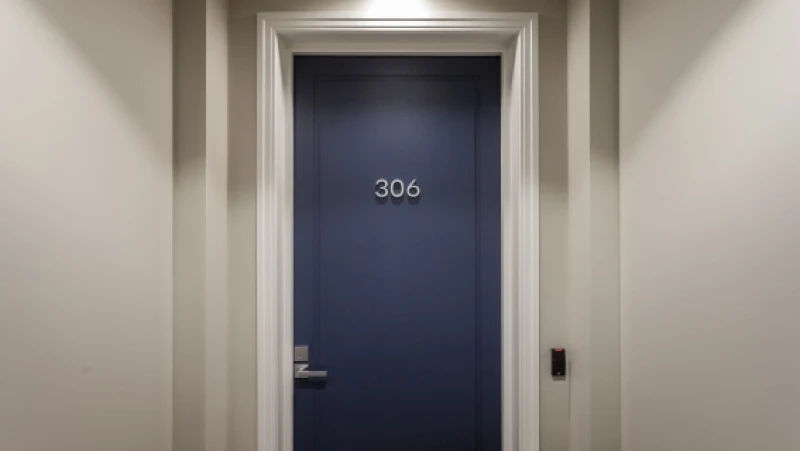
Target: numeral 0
x,y
396,188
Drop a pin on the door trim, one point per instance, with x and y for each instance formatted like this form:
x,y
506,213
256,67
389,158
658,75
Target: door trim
x,y
514,36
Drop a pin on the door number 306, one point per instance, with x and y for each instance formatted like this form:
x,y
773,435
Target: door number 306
x,y
396,188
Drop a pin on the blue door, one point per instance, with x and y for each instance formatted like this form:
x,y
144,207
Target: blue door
x,y
397,254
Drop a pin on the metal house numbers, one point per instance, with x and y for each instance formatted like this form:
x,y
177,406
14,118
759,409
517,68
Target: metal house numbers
x,y
396,188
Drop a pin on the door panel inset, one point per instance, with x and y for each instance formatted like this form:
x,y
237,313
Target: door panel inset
x,y
397,253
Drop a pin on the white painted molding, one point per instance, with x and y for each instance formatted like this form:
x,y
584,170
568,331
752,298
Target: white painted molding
x,y
514,37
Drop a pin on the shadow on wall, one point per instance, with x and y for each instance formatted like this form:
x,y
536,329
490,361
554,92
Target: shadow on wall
x,y
681,33
116,41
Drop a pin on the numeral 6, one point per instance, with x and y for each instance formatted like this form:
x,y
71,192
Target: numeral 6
x,y
413,190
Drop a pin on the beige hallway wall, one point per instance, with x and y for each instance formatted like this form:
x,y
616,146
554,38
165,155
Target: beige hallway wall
x,y
242,202
200,264
85,225
593,225
710,107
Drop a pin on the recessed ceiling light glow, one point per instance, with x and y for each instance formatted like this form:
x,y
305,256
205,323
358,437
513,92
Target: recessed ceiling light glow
x,y
397,8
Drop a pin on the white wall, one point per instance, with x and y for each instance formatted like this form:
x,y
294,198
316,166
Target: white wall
x,y
710,162
85,225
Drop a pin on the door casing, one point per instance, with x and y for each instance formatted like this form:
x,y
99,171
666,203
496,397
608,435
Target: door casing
x,y
513,36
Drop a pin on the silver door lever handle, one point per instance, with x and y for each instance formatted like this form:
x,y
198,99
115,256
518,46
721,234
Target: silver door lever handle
x,y
301,371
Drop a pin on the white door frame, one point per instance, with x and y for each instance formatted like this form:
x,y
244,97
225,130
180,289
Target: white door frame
x,y
515,38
